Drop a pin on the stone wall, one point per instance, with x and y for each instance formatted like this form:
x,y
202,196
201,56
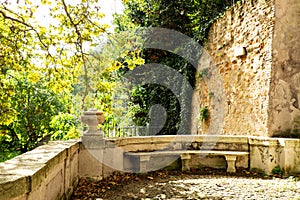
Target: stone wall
x,y
53,170
47,172
284,109
240,45
112,156
268,153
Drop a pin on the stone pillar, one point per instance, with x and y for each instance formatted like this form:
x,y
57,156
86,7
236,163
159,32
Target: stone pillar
x,y
264,153
289,160
92,138
92,150
185,162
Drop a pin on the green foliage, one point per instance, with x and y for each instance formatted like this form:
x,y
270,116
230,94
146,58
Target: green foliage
x,y
202,13
41,67
35,104
204,73
204,114
7,151
191,17
53,49
64,127
277,170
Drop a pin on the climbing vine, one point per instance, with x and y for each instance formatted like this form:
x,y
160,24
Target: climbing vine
x,y
191,17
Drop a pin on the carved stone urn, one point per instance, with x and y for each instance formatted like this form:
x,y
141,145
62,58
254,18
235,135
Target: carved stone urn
x,y
93,138
92,117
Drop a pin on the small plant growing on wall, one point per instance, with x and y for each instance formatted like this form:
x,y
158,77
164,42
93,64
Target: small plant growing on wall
x,y
277,170
204,114
204,73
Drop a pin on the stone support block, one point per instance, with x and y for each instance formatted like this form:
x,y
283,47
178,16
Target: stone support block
x,y
289,161
185,161
264,153
143,162
230,163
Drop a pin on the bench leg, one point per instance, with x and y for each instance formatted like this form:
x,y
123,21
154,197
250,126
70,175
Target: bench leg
x,y
143,163
230,163
185,162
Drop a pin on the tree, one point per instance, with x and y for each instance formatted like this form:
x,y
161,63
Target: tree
x,y
191,17
35,105
40,63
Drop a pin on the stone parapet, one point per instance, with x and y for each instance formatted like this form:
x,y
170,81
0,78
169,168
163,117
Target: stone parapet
x,y
268,153
51,171
47,172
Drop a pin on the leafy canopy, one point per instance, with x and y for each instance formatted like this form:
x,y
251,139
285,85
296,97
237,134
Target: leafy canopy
x,y
41,62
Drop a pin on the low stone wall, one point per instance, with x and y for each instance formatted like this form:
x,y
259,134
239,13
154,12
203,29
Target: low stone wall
x,y
267,153
111,156
52,171
264,153
47,172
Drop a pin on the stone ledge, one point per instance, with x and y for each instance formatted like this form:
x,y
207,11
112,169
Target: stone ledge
x,y
263,141
179,139
31,171
13,186
176,152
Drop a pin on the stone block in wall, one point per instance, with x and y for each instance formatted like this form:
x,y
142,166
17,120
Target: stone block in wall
x,y
13,186
90,164
113,160
289,156
71,170
55,187
92,141
264,153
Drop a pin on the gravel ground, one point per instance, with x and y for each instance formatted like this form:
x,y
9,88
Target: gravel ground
x,y
162,185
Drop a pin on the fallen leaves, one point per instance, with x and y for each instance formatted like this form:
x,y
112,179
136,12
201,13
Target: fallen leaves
x,y
89,188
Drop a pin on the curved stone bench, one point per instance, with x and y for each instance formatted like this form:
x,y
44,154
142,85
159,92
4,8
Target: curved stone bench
x,y
185,156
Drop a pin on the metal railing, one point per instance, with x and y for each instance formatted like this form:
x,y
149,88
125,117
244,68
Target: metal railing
x,y
130,131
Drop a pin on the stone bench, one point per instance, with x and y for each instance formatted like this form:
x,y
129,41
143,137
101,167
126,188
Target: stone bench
x,y
185,156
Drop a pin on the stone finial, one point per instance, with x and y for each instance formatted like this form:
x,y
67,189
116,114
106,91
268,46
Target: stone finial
x,y
92,117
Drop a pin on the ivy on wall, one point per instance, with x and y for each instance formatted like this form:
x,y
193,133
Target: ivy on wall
x,y
191,17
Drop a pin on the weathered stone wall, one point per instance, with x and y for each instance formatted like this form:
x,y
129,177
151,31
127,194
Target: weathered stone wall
x,y
240,45
47,172
284,108
112,155
52,171
268,153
